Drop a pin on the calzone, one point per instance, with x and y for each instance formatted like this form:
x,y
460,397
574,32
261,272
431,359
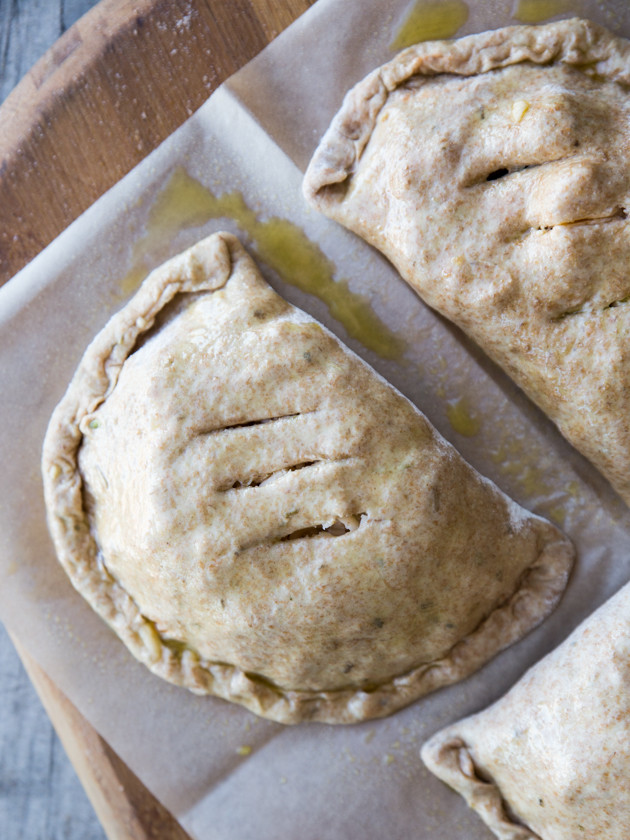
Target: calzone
x,y
551,760
493,171
259,516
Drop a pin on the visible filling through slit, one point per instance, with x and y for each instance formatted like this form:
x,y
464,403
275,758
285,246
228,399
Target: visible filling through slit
x,y
498,173
339,528
257,480
257,422
583,310
619,214
506,171
503,172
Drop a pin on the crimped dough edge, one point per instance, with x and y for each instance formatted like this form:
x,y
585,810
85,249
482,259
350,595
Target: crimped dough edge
x,y
207,266
448,756
576,42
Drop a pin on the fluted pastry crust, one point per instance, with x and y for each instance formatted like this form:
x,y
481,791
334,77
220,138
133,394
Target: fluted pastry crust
x,y
551,760
259,516
493,172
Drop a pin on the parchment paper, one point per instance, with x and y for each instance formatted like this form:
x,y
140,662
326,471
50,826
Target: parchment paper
x,y
222,771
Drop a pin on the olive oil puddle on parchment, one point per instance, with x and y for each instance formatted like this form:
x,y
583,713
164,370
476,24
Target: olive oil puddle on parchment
x,y
461,418
521,461
283,246
525,466
536,11
431,20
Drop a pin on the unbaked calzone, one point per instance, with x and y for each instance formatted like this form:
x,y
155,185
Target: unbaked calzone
x,y
493,172
551,760
258,515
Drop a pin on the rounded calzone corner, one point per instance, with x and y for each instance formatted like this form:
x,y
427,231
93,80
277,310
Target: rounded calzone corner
x,y
260,516
551,759
494,172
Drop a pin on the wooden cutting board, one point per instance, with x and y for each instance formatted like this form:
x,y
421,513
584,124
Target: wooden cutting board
x,y
116,84
108,92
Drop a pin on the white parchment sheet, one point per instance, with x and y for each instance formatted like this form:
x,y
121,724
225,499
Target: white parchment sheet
x,y
225,773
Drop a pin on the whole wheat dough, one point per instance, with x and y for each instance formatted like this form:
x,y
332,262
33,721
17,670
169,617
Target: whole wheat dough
x,y
493,171
551,760
258,515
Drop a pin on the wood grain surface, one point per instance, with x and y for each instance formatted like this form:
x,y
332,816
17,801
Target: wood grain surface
x,y
125,808
112,87
109,91
41,796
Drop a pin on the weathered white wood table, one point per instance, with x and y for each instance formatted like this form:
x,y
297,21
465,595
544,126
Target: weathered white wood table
x,y
41,797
